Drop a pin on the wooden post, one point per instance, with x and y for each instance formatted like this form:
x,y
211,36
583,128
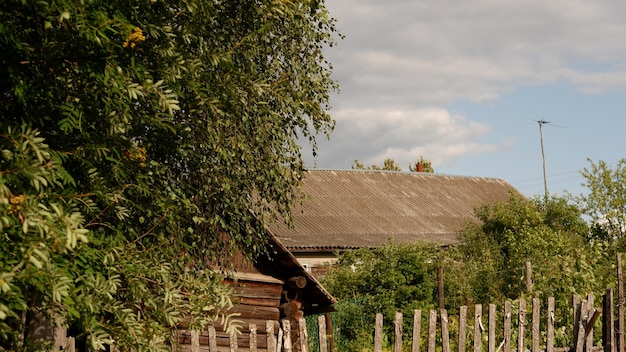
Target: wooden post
x,y
440,284
506,333
478,327
329,333
397,328
528,274
521,324
620,304
536,334
462,328
576,317
321,323
445,334
195,341
271,339
233,342
550,325
580,323
608,325
492,328
432,330
378,333
417,327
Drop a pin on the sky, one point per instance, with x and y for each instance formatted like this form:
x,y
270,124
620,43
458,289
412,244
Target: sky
x,y
463,84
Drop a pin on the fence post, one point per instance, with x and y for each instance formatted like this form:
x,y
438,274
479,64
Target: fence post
x,y
478,327
397,328
445,334
271,339
321,324
253,344
536,334
521,319
620,304
550,326
417,327
287,344
212,339
462,328
195,341
304,335
432,330
492,328
506,333
378,333
608,312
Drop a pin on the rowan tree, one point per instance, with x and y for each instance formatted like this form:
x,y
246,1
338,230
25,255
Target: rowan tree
x,y
133,135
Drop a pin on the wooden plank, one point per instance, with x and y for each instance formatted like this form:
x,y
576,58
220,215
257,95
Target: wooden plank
x,y
550,325
417,326
461,338
478,327
378,333
280,340
256,301
432,330
445,334
304,335
521,324
397,328
580,323
492,328
536,333
234,346
321,324
506,329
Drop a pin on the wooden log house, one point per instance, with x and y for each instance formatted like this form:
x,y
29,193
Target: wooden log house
x,y
273,288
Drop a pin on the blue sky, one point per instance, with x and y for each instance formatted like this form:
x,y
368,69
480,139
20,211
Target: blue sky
x,y
463,83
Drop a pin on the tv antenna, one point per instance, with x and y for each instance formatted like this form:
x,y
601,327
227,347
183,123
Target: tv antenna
x,y
542,122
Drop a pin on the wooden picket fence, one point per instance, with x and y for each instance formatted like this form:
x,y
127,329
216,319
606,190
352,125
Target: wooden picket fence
x,y
524,324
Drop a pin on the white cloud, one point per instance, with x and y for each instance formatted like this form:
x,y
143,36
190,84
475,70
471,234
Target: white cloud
x,y
404,62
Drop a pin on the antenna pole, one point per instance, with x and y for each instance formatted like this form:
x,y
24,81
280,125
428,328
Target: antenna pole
x,y
543,158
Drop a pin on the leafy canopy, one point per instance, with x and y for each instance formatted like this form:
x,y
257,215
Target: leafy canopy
x,y
133,135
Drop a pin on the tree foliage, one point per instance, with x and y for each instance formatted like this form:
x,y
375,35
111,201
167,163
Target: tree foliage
x,y
424,164
133,135
389,164
606,201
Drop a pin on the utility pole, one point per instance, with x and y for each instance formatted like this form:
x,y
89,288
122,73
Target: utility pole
x,y
541,122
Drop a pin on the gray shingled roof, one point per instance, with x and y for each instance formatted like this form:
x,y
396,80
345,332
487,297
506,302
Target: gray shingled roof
x,y
352,209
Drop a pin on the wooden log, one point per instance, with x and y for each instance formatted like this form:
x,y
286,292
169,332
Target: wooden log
x,y
417,327
378,333
297,282
550,325
478,315
397,328
506,330
492,328
205,338
462,329
536,334
254,289
321,328
445,333
254,301
432,330
255,312
291,309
